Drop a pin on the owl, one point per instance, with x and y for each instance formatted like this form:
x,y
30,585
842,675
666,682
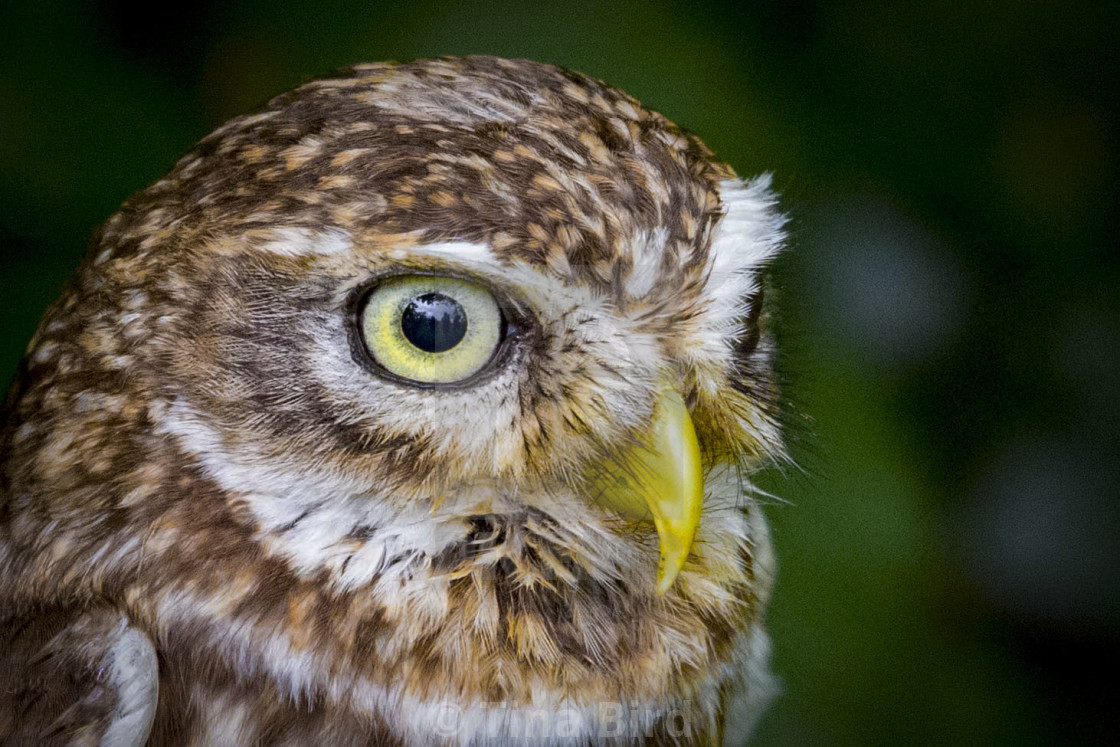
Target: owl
x,y
417,408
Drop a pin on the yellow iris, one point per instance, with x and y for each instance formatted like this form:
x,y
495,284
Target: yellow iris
x,y
430,329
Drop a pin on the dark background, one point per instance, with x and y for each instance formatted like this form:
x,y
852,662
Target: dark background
x,y
950,315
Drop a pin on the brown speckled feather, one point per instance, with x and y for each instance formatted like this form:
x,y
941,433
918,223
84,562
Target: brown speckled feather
x,y
198,450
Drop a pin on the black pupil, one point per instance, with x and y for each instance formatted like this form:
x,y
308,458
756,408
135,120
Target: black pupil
x,y
433,322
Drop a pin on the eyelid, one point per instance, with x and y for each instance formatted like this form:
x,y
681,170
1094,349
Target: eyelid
x,y
507,295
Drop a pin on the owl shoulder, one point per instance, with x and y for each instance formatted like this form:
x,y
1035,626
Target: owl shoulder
x,y
76,677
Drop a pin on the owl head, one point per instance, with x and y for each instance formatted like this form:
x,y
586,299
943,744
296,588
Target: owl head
x,y
479,339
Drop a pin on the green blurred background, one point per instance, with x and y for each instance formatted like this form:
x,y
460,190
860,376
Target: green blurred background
x,y
949,310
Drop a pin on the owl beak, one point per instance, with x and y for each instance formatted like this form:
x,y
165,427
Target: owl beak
x,y
660,476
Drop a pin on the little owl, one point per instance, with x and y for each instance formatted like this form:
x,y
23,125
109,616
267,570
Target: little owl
x,y
417,407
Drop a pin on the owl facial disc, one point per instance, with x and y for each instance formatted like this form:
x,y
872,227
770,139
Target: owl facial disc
x,y
660,477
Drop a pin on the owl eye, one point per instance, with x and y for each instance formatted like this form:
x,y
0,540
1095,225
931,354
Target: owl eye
x,y
430,329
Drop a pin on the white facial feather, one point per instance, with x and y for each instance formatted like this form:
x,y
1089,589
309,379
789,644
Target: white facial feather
x,y
290,241
645,251
746,238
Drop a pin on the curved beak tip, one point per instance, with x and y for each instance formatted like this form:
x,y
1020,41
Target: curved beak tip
x,y
667,571
663,477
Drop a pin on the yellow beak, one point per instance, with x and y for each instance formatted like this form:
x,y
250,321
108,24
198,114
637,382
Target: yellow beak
x,y
660,478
